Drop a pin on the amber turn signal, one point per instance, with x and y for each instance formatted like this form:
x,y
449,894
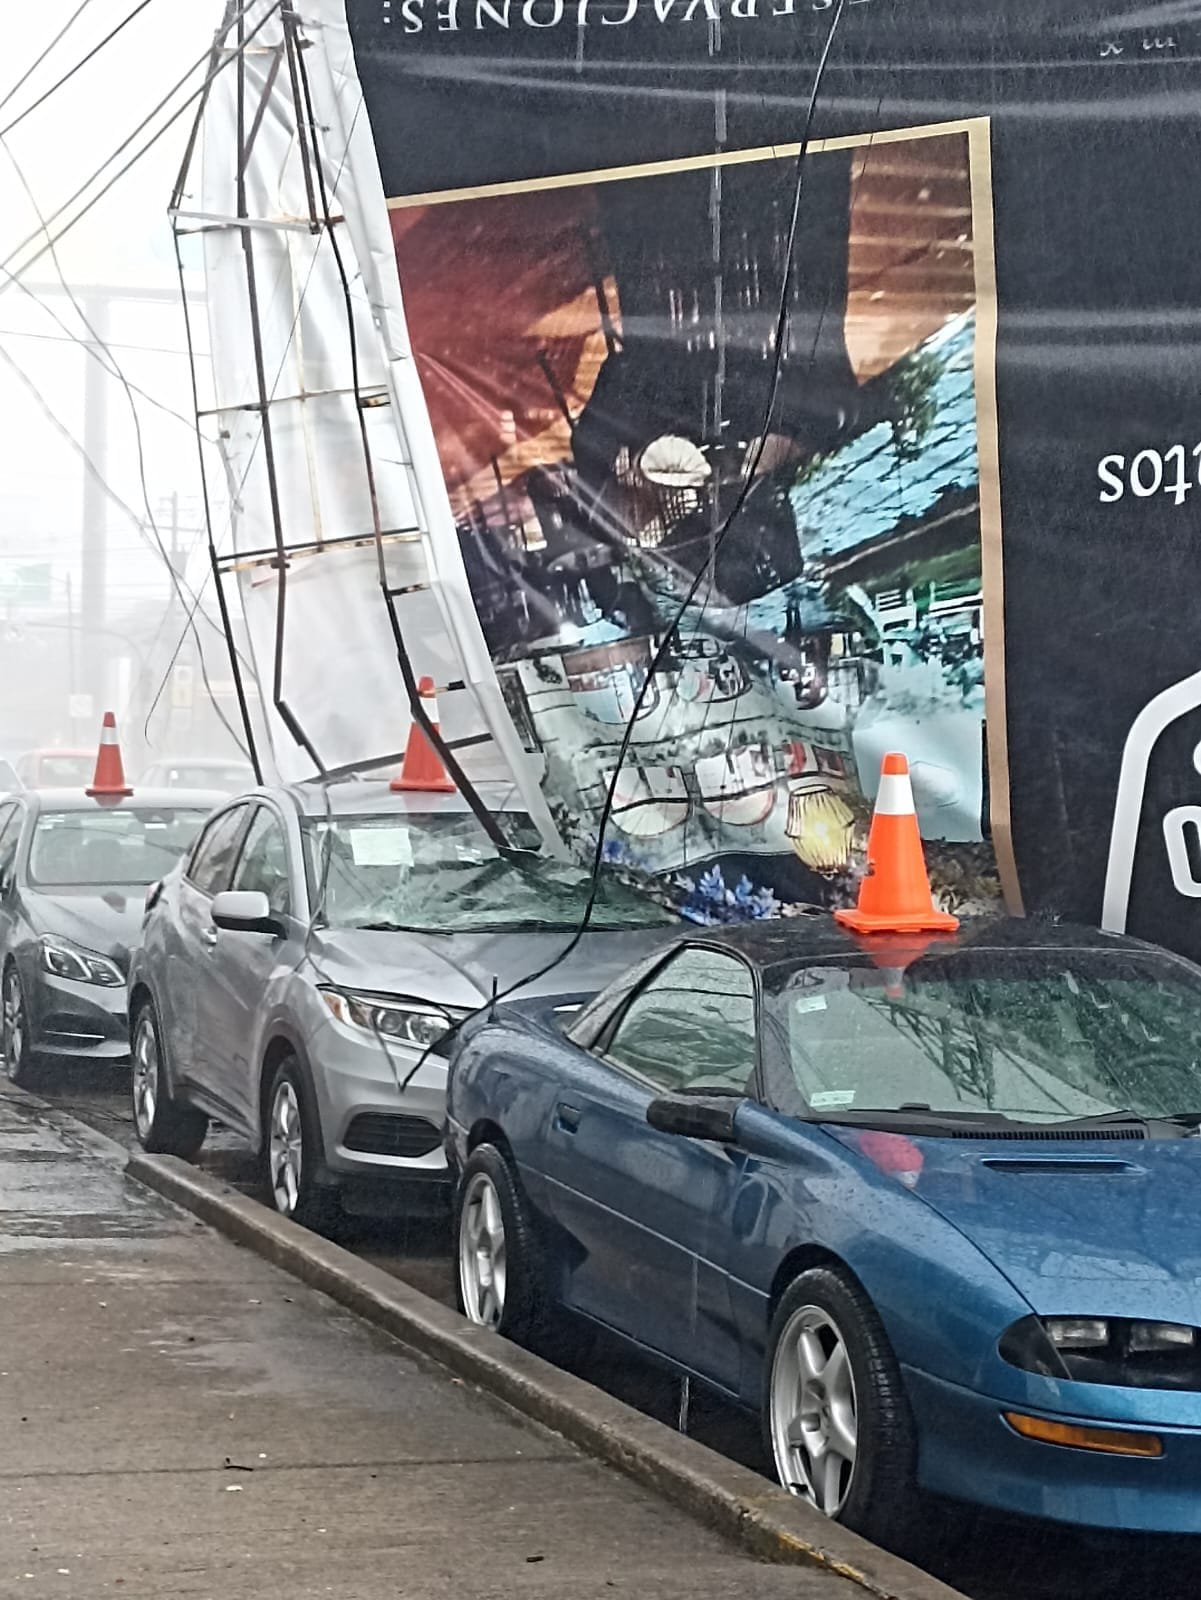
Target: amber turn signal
x,y
1111,1441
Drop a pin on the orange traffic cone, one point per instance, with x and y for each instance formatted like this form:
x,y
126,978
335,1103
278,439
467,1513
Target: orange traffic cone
x,y
423,767
894,896
108,781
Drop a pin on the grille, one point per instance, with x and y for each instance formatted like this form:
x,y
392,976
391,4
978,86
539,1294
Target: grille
x,y
378,1134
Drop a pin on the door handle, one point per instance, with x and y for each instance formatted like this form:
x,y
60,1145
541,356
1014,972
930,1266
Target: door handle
x,y
209,935
567,1118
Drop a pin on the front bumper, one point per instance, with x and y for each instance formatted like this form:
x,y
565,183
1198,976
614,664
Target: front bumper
x,y
76,1020
968,1451
373,1127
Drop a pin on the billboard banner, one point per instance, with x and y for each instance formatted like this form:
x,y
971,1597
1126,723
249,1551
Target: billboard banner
x,y
952,515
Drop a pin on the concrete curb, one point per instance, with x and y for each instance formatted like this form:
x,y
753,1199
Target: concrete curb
x,y
732,1499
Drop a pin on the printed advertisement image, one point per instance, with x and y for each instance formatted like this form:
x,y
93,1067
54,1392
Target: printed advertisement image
x,y
951,510
597,381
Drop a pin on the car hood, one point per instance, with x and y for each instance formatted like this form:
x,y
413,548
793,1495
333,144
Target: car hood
x,y
458,969
1082,1229
106,920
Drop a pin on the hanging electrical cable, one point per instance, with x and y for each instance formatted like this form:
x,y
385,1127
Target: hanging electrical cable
x,y
70,73
46,52
303,89
99,350
93,471
750,469
216,70
176,201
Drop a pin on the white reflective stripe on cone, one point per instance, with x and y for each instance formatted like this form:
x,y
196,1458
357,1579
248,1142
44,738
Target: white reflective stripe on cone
x,y
894,798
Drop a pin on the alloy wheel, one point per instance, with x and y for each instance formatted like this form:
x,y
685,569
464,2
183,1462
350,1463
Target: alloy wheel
x,y
286,1140
13,1024
482,1253
145,1076
814,1426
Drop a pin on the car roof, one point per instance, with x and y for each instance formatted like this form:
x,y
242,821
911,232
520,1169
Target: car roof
x,y
60,800
369,797
792,941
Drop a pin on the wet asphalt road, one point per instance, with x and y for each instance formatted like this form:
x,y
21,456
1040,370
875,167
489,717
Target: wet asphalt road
x,y
986,1557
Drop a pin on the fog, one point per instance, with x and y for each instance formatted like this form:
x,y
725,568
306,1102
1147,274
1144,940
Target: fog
x,y
100,496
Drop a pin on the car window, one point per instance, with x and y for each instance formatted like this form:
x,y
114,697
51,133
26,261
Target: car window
x,y
65,771
263,863
692,1026
124,847
212,860
1035,1035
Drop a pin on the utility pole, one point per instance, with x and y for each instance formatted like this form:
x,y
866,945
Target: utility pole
x,y
94,524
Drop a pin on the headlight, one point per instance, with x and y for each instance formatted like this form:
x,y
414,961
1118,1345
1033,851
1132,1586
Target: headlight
x,y
67,960
407,1022
1077,1333
1112,1350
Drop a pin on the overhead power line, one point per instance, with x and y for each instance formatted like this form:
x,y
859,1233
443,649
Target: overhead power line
x,y
54,43
230,55
70,73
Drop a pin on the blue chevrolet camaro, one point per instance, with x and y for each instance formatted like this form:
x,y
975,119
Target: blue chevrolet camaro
x,y
934,1215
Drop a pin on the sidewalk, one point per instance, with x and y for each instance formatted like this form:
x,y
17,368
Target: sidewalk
x,y
178,1418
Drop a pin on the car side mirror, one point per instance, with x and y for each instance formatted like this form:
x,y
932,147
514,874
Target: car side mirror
x,y
245,911
694,1117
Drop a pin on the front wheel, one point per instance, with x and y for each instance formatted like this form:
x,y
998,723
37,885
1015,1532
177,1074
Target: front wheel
x,y
836,1420
20,1065
292,1151
163,1125
502,1277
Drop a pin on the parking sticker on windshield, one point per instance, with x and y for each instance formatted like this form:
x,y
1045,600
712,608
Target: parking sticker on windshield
x,y
827,1099
809,1002
381,847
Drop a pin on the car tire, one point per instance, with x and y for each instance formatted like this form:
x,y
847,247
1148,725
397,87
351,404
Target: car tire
x,y
20,1063
501,1279
293,1162
164,1125
836,1419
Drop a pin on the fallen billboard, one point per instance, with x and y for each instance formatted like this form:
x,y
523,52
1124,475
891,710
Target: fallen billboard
x,y
949,512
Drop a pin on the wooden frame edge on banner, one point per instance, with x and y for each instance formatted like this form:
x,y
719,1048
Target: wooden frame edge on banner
x,y
978,131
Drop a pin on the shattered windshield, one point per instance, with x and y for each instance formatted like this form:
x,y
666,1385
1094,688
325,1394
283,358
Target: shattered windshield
x,y
1032,1035
441,873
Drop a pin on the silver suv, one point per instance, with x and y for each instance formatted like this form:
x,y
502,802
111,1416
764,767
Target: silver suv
x,y
300,967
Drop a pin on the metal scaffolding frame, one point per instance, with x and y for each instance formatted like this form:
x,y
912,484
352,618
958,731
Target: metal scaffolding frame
x,y
285,95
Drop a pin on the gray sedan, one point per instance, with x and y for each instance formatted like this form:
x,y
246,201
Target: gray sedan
x,y
300,968
73,877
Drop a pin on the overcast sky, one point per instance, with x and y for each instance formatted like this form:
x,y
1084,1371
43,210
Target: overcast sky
x,y
124,243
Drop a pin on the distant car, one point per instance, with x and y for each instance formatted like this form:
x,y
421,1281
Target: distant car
x,y
10,783
56,769
73,878
200,772
937,1226
299,969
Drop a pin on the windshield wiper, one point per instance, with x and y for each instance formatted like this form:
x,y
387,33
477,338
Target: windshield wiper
x,y
388,927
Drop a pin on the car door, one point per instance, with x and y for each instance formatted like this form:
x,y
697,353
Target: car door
x,y
188,1005
645,1211
240,965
